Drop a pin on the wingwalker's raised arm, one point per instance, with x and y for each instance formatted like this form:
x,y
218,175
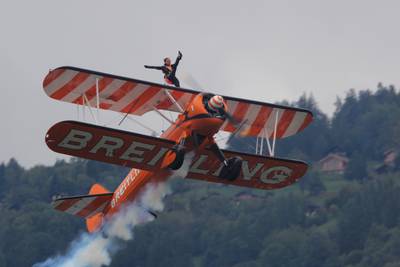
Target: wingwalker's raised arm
x,y
154,67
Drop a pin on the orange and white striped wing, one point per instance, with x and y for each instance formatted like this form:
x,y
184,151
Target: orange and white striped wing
x,y
83,206
121,94
137,97
259,118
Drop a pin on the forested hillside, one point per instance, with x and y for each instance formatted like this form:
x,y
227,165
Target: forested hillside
x,y
330,220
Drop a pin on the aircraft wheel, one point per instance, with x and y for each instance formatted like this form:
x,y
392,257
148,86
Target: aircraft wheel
x,y
232,171
180,156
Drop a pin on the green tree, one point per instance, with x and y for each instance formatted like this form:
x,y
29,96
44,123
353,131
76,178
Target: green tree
x,y
312,183
356,168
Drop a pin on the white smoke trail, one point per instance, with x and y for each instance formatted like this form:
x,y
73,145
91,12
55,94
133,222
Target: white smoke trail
x,y
97,249
183,171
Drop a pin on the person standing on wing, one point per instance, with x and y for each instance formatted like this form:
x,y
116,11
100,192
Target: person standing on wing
x,y
169,70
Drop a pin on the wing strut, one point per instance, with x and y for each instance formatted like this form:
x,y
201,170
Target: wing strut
x,y
86,102
162,115
173,100
97,99
260,138
275,128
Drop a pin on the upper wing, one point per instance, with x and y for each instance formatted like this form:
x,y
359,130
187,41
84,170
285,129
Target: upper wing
x,y
146,152
137,97
258,118
80,86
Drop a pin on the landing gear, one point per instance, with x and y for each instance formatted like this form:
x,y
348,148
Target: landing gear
x,y
232,166
179,158
176,156
232,169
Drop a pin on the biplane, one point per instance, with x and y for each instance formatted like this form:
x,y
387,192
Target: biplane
x,y
154,159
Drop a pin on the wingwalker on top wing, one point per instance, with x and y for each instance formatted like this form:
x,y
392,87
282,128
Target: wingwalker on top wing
x,y
153,159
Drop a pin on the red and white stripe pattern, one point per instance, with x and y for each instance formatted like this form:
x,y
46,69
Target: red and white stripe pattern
x,y
115,93
138,97
216,102
84,206
260,119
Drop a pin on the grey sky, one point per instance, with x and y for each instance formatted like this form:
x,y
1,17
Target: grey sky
x,y
264,50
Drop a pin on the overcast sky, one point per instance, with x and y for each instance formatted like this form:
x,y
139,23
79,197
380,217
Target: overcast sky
x,y
264,50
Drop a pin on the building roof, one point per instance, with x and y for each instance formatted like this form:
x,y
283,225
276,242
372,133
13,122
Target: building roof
x,y
389,151
337,156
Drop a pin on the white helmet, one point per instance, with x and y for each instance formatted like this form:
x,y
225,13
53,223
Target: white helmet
x,y
216,102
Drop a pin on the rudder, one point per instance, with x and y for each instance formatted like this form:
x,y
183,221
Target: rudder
x,y
94,222
98,189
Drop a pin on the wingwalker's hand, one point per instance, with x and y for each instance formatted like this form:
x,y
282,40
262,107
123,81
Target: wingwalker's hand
x,y
179,55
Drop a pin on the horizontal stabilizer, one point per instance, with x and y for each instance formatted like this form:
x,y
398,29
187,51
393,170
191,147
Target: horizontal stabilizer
x,y
83,206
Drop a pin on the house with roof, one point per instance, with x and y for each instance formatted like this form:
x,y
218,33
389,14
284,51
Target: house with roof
x,y
389,161
333,162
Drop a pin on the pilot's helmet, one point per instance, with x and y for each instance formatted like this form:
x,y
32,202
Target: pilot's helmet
x,y
216,102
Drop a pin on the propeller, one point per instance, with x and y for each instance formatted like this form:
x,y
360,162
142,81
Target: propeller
x,y
189,80
231,119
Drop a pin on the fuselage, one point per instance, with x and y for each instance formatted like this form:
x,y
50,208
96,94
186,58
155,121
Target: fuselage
x,y
195,119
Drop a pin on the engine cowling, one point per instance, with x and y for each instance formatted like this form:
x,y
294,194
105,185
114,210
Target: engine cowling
x,y
203,120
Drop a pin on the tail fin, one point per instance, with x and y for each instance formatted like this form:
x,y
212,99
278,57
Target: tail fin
x,y
94,223
98,189
90,207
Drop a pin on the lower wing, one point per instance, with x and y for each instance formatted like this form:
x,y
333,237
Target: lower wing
x,y
146,152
